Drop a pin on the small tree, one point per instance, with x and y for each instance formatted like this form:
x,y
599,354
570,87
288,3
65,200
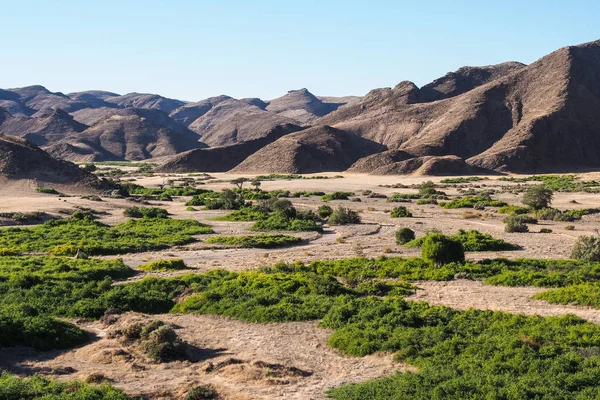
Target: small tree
x,y
538,197
514,223
441,249
343,216
324,211
587,248
256,183
239,182
401,212
404,235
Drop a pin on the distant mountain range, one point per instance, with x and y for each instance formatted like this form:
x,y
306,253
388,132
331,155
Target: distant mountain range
x,y
542,117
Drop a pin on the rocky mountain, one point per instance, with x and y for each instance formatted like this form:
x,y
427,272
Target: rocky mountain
x,y
541,117
235,121
302,106
128,134
20,159
224,158
316,149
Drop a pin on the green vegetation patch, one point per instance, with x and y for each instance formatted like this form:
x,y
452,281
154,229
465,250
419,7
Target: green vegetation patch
x,y
467,354
337,196
472,240
467,179
265,241
584,294
81,232
38,387
472,202
558,183
175,264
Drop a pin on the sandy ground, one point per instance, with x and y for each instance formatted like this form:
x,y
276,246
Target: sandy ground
x,y
300,345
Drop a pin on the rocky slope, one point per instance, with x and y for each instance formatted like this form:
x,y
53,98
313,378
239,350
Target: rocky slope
x,y
20,159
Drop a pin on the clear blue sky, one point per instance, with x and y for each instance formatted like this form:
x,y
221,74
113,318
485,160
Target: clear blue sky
x,y
195,49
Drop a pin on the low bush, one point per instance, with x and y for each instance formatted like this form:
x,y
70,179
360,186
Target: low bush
x,y
467,179
512,209
538,197
202,392
81,232
584,294
587,248
344,216
337,196
471,241
324,211
38,387
264,241
145,212
400,212
174,264
404,235
472,202
545,230
440,249
515,225
47,190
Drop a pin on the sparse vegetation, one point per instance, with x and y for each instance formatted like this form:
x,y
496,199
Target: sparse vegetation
x,y
145,212
515,224
400,212
467,179
538,197
440,249
324,211
82,232
404,235
471,241
264,241
344,216
476,202
174,264
587,248
337,196
47,190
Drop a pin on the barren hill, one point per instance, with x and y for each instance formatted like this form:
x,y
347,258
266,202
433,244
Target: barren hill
x,y
51,127
37,100
224,158
145,100
20,159
301,105
316,149
542,117
129,134
235,121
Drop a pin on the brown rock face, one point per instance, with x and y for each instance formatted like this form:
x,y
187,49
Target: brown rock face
x,y
20,159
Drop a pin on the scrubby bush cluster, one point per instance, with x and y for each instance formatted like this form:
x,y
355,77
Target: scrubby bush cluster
x,y
337,196
559,183
276,214
477,202
39,387
264,241
82,232
344,216
472,240
175,264
148,212
158,340
538,197
400,212
404,235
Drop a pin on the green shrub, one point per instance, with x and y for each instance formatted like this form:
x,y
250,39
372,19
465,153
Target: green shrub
x,y
511,209
164,197
587,248
337,196
264,241
537,197
471,241
46,190
404,235
202,392
324,211
426,201
472,202
545,230
67,236
440,249
174,264
515,224
584,294
401,212
145,212
38,387
344,216
463,179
